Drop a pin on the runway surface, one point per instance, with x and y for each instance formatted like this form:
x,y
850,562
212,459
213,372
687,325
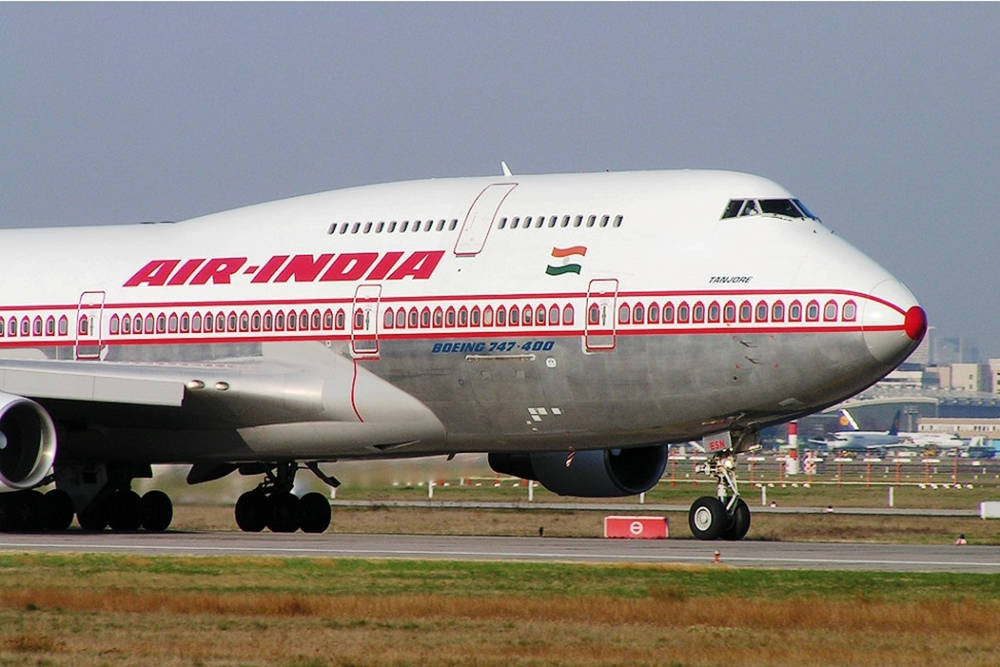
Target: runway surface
x,y
748,553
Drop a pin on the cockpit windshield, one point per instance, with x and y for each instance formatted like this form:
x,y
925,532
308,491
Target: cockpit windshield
x,y
779,208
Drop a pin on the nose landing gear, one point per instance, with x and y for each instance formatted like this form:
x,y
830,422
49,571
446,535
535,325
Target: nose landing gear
x,y
724,515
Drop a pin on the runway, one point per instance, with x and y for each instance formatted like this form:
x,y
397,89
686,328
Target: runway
x,y
747,553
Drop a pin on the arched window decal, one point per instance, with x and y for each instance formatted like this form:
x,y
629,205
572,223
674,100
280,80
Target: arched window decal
x,y
401,318
173,323
359,319
449,317
668,313
540,315
126,324
137,324
593,314
653,314
341,320
291,320
760,313
812,311
26,325
638,313
501,316
795,312
161,323
488,316
714,311
515,316
475,317
850,311
12,327
304,321
778,312
624,313
683,312
568,315
37,326
196,323
279,321
412,318
255,321
830,311
745,311
698,312
220,323
185,323
328,319
244,321
316,320
232,322
553,315
388,319
425,317
729,312
114,326
463,317
528,315
63,326
2,321
147,324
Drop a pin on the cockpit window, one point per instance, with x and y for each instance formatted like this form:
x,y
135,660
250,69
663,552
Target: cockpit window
x,y
786,208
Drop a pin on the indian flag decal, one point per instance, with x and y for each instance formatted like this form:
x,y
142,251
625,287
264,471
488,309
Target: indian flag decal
x,y
568,263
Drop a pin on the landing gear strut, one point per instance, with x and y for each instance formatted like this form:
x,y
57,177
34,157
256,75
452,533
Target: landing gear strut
x,y
724,515
273,505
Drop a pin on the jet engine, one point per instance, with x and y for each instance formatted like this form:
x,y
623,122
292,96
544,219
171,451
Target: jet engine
x,y
601,473
27,442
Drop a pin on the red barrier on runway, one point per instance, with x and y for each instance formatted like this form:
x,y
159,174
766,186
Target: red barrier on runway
x,y
636,527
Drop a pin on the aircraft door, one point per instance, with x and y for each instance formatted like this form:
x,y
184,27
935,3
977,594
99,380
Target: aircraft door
x,y
479,219
364,320
599,327
89,325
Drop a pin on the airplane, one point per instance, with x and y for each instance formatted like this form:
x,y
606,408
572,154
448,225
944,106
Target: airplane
x,y
883,442
571,326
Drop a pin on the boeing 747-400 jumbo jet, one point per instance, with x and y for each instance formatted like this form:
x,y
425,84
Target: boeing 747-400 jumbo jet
x,y
570,325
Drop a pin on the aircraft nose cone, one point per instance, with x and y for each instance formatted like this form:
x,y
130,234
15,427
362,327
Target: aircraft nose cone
x,y
892,322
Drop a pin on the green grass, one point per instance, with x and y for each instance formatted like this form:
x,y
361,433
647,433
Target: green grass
x,y
396,577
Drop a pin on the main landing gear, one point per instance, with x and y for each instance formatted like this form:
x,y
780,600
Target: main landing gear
x,y
273,505
724,515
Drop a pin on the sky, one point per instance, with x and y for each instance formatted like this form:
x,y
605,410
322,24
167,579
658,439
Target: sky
x,y
883,118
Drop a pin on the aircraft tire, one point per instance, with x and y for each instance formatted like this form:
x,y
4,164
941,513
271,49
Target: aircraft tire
x,y
58,510
707,518
156,510
314,513
284,513
739,522
125,510
253,511
94,516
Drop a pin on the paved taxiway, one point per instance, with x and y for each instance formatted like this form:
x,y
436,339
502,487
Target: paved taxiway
x,y
748,553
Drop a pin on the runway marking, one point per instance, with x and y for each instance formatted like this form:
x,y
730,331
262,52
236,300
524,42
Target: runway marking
x,y
413,553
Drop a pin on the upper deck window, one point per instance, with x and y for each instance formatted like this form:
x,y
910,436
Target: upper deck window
x,y
784,208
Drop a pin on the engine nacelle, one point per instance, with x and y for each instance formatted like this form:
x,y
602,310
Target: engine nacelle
x,y
601,473
27,442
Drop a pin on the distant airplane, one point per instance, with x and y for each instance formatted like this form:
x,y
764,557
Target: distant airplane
x,y
883,442
570,325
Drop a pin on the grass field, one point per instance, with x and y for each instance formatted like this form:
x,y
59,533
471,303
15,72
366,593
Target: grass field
x,y
101,609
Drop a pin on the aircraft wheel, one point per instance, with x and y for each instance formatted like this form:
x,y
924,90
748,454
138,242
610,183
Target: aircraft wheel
x,y
156,511
58,510
707,518
94,516
253,510
314,513
739,522
284,513
124,510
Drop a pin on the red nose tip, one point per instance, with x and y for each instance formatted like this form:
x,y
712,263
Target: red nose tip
x,y
915,324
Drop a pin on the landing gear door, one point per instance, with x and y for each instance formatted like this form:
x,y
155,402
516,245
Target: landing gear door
x,y
364,320
89,324
479,220
599,328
